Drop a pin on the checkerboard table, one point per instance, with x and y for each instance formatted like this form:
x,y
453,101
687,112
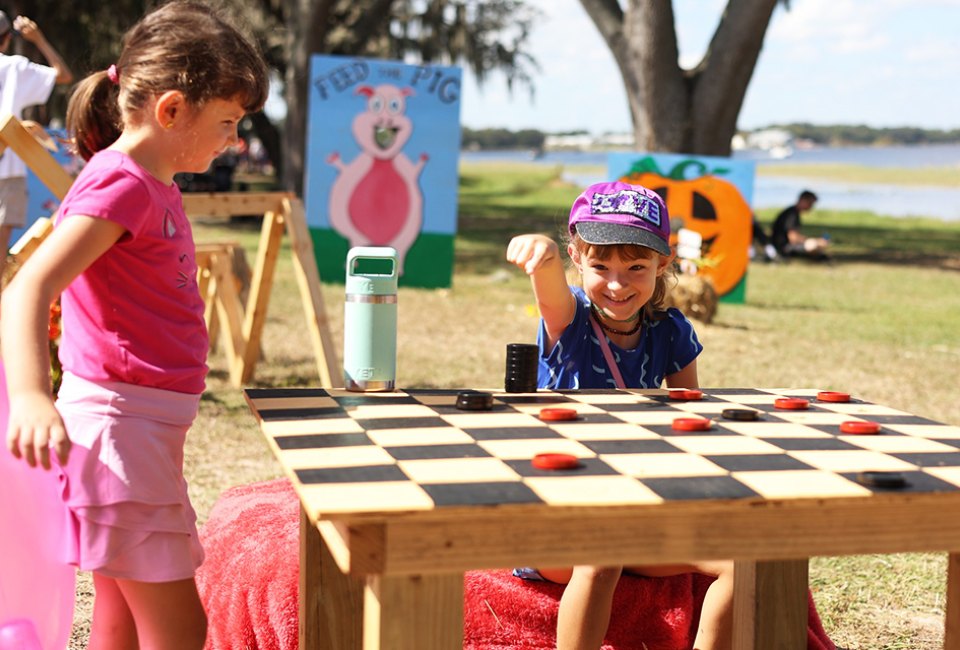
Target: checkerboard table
x,y
408,492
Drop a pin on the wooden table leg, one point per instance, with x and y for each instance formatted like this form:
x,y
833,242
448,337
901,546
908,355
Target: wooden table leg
x,y
331,603
413,612
951,636
770,607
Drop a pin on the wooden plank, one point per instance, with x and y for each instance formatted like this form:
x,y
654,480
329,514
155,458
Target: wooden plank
x,y
311,628
770,605
308,279
207,287
30,240
224,205
230,312
413,612
255,314
951,636
331,602
423,542
38,159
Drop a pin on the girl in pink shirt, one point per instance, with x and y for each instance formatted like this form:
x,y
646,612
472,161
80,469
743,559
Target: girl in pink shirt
x,y
134,340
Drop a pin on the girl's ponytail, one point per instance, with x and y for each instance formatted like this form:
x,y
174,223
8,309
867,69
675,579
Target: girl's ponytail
x,y
93,114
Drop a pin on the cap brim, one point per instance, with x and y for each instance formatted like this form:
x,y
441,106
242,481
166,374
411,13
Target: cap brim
x,y
603,234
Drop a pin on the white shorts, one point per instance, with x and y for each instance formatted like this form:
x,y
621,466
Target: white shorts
x,y
13,202
129,513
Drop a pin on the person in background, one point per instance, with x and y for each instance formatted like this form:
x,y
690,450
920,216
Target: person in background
x,y
787,236
22,83
760,240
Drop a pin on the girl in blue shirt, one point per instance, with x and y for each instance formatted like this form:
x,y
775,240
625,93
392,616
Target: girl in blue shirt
x,y
615,333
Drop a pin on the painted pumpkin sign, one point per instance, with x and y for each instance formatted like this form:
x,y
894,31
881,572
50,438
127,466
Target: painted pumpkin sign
x,y
706,200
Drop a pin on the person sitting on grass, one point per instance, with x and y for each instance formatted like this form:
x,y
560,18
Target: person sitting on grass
x,y
787,236
614,332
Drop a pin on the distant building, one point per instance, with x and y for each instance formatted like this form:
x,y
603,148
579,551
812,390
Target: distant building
x,y
777,143
586,142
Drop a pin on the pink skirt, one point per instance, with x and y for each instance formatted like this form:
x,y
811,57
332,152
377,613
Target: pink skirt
x,y
129,513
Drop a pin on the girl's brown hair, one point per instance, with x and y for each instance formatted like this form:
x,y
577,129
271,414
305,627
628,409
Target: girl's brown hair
x,y
657,302
184,46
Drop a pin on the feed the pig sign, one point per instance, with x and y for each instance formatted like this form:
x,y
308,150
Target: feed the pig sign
x,y
383,143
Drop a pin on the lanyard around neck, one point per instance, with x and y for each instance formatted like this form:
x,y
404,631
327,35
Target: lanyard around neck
x,y
607,353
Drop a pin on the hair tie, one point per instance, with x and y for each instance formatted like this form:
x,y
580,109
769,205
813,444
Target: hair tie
x,y
113,74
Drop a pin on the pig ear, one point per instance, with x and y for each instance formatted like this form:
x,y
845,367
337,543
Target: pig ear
x,y
407,91
366,91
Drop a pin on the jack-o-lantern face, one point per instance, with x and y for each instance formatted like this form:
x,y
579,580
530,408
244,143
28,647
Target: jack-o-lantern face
x,y
715,209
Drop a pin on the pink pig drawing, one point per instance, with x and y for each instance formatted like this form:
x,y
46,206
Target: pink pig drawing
x,y
376,199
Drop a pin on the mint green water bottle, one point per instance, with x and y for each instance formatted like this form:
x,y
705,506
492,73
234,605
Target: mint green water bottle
x,y
370,319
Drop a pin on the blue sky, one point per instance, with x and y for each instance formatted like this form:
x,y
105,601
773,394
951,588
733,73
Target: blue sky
x,y
875,62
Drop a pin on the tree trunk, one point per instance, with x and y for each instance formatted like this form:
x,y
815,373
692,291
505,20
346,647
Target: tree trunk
x,y
307,23
684,111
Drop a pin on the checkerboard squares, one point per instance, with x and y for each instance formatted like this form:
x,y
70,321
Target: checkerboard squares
x,y
935,431
651,417
591,490
814,418
310,427
892,444
662,465
306,402
706,409
331,457
864,410
327,499
752,399
603,431
524,449
458,470
424,436
393,411
774,430
800,484
579,407
852,461
720,445
948,474
625,397
482,420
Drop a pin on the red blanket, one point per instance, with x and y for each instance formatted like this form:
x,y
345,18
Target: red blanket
x,y
249,586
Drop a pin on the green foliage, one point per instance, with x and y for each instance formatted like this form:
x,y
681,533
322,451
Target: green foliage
x,y
494,139
861,134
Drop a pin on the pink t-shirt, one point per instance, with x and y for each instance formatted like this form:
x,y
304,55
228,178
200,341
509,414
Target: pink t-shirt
x,y
135,315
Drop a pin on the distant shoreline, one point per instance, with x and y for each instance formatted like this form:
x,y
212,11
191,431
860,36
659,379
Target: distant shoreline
x,y
939,176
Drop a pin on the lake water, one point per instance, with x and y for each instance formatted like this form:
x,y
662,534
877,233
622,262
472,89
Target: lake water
x,y
780,191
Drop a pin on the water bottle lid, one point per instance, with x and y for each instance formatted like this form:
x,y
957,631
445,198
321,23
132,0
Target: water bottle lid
x,y
371,270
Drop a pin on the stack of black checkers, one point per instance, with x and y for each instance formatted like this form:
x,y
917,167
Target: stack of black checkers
x,y
521,368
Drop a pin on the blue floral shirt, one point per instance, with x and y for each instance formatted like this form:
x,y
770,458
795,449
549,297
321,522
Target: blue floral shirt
x,y
668,343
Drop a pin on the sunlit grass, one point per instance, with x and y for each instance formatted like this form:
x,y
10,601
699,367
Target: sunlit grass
x,y
843,173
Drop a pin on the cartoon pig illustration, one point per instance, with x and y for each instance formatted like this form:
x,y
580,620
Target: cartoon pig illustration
x,y
376,199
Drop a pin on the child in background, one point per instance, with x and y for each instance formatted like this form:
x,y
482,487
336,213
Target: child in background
x,y
614,332
134,343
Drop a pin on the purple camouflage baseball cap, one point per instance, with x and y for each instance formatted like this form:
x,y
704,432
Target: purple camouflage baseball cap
x,y
619,213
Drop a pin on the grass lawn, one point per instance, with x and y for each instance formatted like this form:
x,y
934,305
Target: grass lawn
x,y
881,323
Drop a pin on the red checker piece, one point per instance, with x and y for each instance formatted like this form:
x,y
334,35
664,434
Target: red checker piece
x,y
691,424
791,403
686,394
832,396
860,427
558,414
555,461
